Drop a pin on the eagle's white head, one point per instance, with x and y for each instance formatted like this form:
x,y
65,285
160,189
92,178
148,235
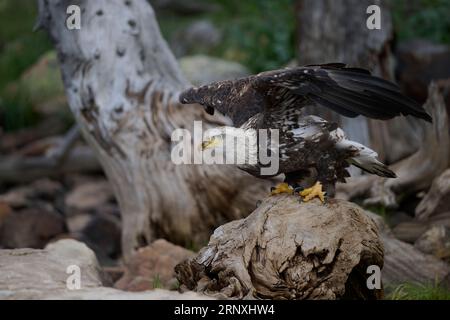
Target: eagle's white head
x,y
240,144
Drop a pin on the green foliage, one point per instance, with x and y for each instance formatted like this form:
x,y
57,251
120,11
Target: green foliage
x,y
16,110
411,291
19,49
429,19
378,209
157,282
256,33
19,46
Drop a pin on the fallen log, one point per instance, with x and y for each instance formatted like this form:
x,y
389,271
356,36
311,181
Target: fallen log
x,y
404,263
437,200
22,169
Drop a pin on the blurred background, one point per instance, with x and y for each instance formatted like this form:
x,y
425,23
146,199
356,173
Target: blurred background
x,y
223,38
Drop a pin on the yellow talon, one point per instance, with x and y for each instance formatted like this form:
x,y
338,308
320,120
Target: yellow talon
x,y
314,191
282,188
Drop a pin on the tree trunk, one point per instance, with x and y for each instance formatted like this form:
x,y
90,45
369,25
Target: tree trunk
x,y
335,31
122,85
289,250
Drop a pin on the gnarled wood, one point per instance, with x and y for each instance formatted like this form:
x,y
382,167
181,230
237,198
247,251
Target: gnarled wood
x,y
437,200
403,263
122,84
289,250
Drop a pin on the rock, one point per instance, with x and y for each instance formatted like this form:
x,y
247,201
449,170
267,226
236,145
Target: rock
x,y
200,36
419,62
41,274
30,272
5,210
89,195
76,223
212,69
114,273
102,293
31,228
435,241
289,250
47,189
41,190
16,198
102,233
437,200
153,266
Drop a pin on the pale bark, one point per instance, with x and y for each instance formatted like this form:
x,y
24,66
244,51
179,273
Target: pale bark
x,y
289,250
122,84
437,200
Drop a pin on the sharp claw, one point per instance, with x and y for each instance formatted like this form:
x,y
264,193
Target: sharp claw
x,y
314,191
282,188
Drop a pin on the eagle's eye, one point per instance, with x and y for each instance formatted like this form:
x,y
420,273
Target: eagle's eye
x,y
209,110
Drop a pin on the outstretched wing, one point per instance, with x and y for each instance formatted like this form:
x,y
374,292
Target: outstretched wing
x,y
348,91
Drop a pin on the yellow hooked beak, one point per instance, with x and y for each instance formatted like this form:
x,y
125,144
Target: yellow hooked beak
x,y
211,143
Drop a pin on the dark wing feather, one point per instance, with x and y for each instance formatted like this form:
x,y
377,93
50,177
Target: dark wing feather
x,y
348,91
234,98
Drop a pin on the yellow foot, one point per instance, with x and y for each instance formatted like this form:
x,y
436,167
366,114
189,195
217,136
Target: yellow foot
x,y
314,191
282,188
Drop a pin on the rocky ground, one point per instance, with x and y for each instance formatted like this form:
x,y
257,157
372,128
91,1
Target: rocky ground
x,y
45,274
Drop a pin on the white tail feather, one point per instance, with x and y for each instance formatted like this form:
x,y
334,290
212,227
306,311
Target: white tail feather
x,y
366,158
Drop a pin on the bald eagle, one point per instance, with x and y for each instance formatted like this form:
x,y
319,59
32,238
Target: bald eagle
x,y
313,153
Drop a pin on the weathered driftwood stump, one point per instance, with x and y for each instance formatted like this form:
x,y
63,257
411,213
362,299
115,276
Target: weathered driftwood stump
x,y
289,250
122,84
